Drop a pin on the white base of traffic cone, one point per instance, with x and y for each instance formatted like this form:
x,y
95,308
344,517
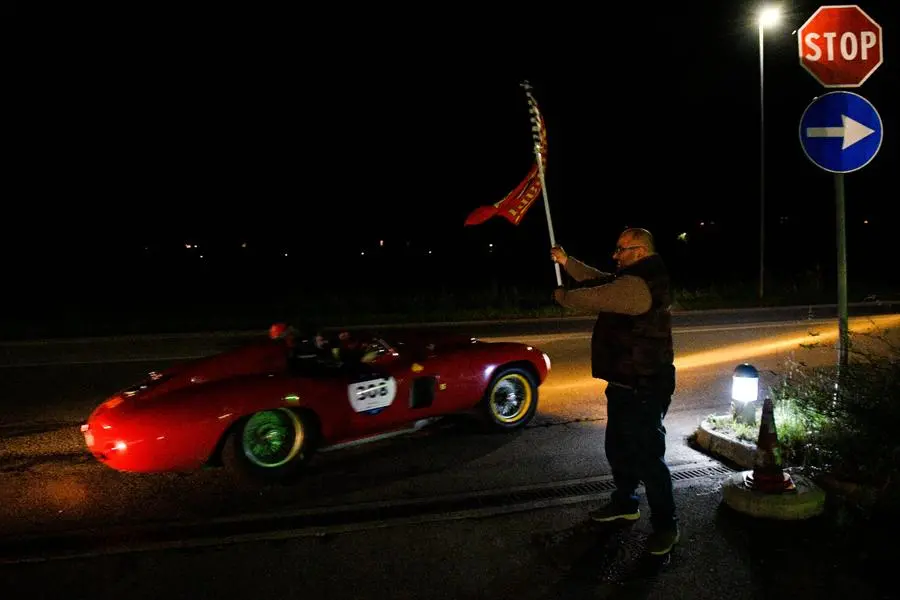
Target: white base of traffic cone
x,y
806,500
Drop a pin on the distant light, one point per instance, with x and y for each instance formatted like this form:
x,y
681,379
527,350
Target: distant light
x,y
769,16
381,242
702,223
188,246
866,222
244,245
429,252
363,253
682,237
490,245
201,256
285,253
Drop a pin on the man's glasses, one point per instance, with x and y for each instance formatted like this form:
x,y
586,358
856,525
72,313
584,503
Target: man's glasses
x,y
620,249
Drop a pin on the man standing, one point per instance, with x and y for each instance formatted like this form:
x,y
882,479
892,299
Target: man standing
x,y
631,349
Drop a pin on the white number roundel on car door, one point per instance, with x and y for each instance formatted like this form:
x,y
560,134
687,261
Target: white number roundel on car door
x,y
372,394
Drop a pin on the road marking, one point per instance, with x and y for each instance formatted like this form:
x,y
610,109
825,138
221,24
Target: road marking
x,y
536,339
556,337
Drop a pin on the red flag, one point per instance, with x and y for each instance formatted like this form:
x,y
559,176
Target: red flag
x,y
516,203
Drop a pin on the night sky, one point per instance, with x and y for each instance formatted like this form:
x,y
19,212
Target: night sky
x,y
138,130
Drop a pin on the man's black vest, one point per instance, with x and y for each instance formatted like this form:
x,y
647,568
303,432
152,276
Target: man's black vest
x,y
625,348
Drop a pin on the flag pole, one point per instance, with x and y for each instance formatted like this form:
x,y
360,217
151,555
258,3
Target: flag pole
x,y
536,133
547,210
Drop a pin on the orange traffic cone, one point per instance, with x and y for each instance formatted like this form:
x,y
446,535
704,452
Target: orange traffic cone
x,y
767,475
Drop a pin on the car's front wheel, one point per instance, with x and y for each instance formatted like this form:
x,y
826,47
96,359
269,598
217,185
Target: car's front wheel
x,y
270,445
511,399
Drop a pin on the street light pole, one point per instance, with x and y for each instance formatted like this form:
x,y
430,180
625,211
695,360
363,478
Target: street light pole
x,y
767,16
762,163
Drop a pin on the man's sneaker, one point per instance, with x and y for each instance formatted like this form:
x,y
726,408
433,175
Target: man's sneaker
x,y
612,513
662,541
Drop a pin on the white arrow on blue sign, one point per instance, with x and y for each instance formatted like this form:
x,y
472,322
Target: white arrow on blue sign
x,y
840,132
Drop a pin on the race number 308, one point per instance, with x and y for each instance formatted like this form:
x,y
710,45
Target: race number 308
x,y
372,394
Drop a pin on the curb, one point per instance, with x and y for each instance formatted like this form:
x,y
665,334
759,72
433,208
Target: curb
x,y
740,453
743,454
807,501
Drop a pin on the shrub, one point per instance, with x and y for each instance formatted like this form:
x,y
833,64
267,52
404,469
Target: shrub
x,y
844,421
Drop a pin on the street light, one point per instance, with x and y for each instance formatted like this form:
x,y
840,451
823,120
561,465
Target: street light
x,y
744,393
768,17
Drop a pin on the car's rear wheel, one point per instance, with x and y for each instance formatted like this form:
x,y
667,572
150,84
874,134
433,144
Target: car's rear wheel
x,y
270,445
511,399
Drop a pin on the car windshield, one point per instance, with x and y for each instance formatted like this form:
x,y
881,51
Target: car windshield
x,y
340,348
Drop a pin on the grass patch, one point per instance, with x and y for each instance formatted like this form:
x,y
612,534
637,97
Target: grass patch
x,y
792,424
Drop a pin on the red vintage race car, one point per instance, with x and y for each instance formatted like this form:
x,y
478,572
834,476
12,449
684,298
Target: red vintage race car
x,y
265,408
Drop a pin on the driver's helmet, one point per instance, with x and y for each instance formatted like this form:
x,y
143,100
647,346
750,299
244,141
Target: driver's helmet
x,y
283,331
277,331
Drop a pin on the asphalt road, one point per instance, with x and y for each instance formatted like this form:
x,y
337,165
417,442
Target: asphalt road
x,y
50,487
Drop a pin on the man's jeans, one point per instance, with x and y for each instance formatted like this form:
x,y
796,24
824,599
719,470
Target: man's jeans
x,y
636,448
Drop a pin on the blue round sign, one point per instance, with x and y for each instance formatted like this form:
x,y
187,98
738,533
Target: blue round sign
x,y
840,132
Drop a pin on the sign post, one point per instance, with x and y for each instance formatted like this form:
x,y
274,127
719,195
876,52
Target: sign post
x,y
840,132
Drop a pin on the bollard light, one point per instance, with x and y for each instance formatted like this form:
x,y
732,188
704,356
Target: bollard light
x,y
744,393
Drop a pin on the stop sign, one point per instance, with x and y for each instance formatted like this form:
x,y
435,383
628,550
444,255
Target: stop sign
x,y
840,46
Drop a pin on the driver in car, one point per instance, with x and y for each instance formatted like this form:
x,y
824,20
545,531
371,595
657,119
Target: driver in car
x,y
349,349
343,348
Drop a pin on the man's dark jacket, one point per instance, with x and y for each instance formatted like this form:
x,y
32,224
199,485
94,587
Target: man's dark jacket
x,y
637,350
